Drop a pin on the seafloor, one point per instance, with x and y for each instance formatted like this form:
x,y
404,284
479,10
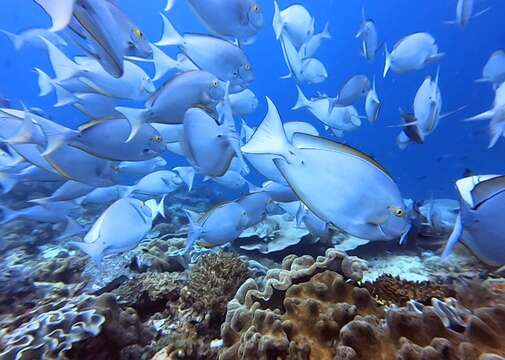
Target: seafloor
x,y
276,293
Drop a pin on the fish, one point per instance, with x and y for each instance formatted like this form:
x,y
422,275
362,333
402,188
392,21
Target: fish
x,y
218,226
305,218
141,167
106,138
372,104
464,13
156,184
440,216
70,190
171,101
413,52
369,37
339,120
233,178
227,61
308,70
92,105
106,33
109,235
309,48
32,37
238,19
255,206
279,193
494,69
411,132
243,103
478,225
314,167
104,195
295,22
134,85
173,135
53,213
354,88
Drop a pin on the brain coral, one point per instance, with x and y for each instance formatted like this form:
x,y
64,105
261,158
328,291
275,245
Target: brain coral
x,y
313,310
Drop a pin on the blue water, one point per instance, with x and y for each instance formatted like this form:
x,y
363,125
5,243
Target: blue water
x,y
422,171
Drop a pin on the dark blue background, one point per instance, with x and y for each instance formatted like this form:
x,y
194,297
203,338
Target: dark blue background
x,y
421,171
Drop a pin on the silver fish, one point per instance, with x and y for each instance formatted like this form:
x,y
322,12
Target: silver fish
x,y
372,104
295,22
314,167
356,87
369,37
479,224
494,70
227,61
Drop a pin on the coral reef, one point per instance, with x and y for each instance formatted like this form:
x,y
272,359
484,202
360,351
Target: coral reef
x,y
310,310
62,268
155,256
393,290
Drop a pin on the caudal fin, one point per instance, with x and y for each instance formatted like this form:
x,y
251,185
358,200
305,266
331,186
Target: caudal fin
x,y
302,101
170,4
94,250
157,208
63,67
136,117
278,23
162,63
195,230
45,83
325,34
454,238
170,35
269,137
73,228
63,97
187,174
60,12
387,64
17,40
7,182
482,116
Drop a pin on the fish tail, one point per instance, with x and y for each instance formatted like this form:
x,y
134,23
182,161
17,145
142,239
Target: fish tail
x,y
187,174
454,238
302,101
195,230
25,133
170,4
162,63
63,97
54,141
63,67
45,83
495,131
170,35
136,118
482,116
94,250
17,40
387,64
158,208
269,137
278,23
325,34
7,182
60,12
72,228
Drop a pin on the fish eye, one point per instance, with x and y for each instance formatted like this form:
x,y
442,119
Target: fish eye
x,y
399,212
138,32
156,139
247,67
215,84
256,8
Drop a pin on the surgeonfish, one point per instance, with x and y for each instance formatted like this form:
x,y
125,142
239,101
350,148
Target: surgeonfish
x,y
372,104
141,167
479,224
353,89
464,13
243,103
33,37
109,235
496,114
135,84
369,37
226,61
295,22
314,167
70,190
171,101
494,70
255,206
339,120
413,52
104,195
218,226
310,47
307,70
156,184
239,19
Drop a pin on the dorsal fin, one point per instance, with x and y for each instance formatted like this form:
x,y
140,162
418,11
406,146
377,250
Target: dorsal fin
x,y
306,141
487,189
94,122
